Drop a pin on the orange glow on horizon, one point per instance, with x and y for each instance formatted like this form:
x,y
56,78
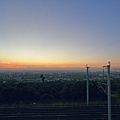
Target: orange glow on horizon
x,y
8,65
40,66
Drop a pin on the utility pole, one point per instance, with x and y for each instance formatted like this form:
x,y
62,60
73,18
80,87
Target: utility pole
x,y
109,90
87,85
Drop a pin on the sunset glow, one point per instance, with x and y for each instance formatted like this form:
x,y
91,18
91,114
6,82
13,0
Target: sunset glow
x,y
59,34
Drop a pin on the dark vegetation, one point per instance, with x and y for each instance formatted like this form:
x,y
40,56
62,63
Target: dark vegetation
x,y
45,92
53,91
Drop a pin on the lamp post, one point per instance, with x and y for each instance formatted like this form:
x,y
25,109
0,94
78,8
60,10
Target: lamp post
x,y
109,90
87,85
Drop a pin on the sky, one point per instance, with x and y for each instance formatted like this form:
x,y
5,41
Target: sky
x,y
59,34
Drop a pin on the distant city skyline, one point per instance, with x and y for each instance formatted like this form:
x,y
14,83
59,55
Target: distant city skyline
x,y
59,34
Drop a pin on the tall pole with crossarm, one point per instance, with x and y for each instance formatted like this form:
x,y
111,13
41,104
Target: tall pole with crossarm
x,y
109,90
87,85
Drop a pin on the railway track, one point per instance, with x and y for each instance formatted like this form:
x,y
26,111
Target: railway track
x,y
57,113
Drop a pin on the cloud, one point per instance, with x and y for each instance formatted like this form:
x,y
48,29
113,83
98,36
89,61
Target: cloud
x,y
8,65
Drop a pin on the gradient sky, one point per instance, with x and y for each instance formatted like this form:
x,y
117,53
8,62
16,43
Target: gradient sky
x,y
59,33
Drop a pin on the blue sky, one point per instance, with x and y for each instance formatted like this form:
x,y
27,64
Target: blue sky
x,y
59,33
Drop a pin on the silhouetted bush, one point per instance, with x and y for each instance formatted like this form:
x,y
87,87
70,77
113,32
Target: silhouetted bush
x,y
38,92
